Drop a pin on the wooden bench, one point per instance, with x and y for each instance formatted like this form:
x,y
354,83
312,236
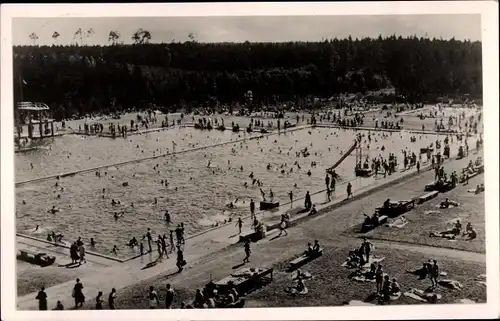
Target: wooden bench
x,y
367,227
430,187
268,205
428,196
41,259
396,208
304,258
244,280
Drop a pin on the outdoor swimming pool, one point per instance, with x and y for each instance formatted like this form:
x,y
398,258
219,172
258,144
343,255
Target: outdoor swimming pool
x,y
196,194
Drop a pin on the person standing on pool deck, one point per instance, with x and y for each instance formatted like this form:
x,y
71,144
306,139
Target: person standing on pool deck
x,y
247,251
182,234
252,208
172,245
307,201
111,300
81,249
180,259
164,245
42,299
239,224
178,234
283,224
349,190
158,248
327,182
150,239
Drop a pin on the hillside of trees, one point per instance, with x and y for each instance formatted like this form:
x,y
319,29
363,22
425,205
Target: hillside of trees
x,y
79,79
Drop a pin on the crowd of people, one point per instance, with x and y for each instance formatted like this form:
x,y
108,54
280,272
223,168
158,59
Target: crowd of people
x,y
209,298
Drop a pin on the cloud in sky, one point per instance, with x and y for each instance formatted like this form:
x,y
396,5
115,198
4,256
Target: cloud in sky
x,y
250,28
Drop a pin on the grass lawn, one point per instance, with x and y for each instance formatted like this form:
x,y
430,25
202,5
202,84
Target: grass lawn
x,y
330,285
31,279
429,217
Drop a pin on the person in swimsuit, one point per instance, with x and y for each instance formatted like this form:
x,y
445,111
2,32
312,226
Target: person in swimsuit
x,y
99,301
247,251
112,299
153,298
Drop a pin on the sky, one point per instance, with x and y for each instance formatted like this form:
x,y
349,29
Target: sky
x,y
248,28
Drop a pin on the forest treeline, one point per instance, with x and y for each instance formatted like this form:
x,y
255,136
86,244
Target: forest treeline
x,y
82,79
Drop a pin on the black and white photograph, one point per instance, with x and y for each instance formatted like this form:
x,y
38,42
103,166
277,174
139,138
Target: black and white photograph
x,y
249,161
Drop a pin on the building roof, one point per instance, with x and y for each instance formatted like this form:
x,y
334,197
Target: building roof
x,y
28,105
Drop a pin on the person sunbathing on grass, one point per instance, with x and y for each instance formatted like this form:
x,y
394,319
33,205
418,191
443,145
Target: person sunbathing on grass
x,y
479,189
370,220
470,232
299,288
395,288
302,275
446,203
353,260
450,235
370,275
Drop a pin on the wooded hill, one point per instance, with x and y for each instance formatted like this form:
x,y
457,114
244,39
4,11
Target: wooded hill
x,y
83,79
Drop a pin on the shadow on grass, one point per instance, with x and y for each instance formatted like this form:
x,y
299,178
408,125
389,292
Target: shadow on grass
x,y
238,266
69,265
275,237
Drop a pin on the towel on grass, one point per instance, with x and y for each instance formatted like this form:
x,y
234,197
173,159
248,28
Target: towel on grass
x,y
450,284
358,303
481,279
305,275
422,296
293,290
395,296
397,224
363,278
